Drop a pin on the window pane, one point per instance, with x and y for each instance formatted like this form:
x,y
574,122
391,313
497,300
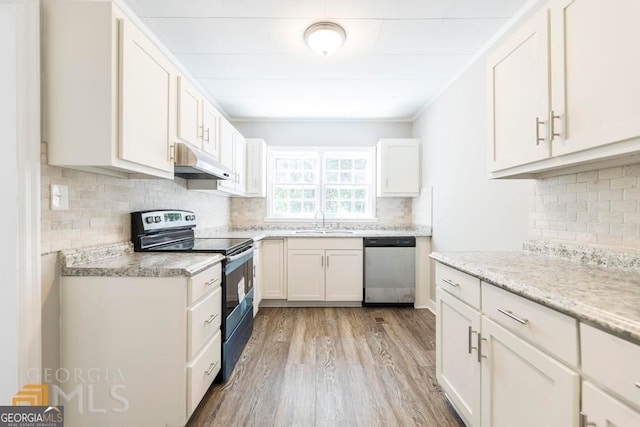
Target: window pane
x,y
332,207
282,177
360,164
309,164
360,194
295,207
332,164
332,177
345,207
310,194
309,207
309,177
358,207
346,194
360,177
295,193
346,164
346,177
282,164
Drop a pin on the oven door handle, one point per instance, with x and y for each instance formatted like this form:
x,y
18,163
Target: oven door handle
x,y
240,255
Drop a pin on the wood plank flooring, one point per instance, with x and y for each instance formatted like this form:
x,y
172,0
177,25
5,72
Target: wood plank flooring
x,y
333,367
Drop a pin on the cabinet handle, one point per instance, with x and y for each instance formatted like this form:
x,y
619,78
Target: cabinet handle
x,y
322,261
552,127
172,151
211,282
538,139
470,333
327,261
207,137
450,282
211,368
513,316
638,384
584,421
211,319
386,183
480,356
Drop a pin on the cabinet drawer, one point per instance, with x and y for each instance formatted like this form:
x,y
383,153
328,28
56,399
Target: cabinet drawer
x,y
548,329
202,371
325,243
611,361
202,282
460,284
204,321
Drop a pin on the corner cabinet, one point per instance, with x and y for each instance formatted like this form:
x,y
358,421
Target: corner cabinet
x,y
398,167
587,111
325,269
109,92
154,341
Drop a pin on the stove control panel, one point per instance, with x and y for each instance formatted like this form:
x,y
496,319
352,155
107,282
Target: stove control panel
x,y
163,220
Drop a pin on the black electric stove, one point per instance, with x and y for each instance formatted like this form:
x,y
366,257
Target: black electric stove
x,y
173,231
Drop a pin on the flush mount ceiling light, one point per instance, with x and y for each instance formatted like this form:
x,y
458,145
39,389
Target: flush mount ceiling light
x,y
325,38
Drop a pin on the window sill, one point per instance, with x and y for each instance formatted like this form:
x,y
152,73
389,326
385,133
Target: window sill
x,y
319,220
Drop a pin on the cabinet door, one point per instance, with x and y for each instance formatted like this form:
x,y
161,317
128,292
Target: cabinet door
x,y
272,277
147,101
343,281
457,366
305,275
595,73
519,91
257,276
521,386
256,168
189,117
398,168
226,135
602,410
210,138
240,158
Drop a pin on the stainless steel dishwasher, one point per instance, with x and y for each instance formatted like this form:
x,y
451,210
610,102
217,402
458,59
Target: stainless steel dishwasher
x,y
389,271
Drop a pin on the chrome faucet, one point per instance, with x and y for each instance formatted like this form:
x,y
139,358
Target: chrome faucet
x,y
315,216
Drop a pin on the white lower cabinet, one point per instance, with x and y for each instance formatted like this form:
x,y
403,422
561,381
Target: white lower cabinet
x,y
272,271
497,374
328,269
457,364
522,386
143,350
599,409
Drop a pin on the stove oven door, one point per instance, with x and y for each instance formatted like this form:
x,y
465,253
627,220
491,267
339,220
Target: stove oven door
x,y
238,287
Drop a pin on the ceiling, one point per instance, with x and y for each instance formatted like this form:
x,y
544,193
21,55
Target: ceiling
x,y
251,57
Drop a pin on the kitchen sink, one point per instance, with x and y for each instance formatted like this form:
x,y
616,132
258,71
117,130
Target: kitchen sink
x,y
323,232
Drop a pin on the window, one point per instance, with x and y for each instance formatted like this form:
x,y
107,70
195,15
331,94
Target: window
x,y
338,182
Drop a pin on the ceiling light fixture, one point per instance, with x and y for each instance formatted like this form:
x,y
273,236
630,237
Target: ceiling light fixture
x,y
325,38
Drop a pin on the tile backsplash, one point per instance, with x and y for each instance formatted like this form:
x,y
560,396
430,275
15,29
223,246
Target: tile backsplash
x,y
99,206
250,212
600,207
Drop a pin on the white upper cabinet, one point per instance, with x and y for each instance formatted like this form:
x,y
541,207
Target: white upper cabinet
x,y
398,163
587,111
210,122
595,73
109,92
518,82
189,113
232,155
256,168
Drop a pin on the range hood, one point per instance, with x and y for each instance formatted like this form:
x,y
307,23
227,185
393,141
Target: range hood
x,y
192,163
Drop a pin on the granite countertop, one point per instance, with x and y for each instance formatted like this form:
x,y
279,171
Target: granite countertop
x,y
603,297
119,260
260,234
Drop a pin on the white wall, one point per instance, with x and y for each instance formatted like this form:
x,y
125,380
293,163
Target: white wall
x,y
320,133
470,212
9,222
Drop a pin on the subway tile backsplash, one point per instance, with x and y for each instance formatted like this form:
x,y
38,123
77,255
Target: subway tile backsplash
x,y
600,207
99,206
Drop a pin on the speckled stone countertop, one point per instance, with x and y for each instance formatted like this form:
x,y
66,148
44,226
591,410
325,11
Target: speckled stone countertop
x,y
603,297
259,234
119,260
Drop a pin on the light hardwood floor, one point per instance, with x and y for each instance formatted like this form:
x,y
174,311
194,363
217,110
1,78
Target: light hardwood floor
x,y
333,367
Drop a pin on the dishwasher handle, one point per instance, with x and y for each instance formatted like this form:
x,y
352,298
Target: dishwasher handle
x,y
390,242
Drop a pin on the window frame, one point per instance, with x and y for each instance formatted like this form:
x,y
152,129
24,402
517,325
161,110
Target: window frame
x,y
320,153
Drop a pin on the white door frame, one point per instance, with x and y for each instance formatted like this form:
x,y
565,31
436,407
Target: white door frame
x,y
20,292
